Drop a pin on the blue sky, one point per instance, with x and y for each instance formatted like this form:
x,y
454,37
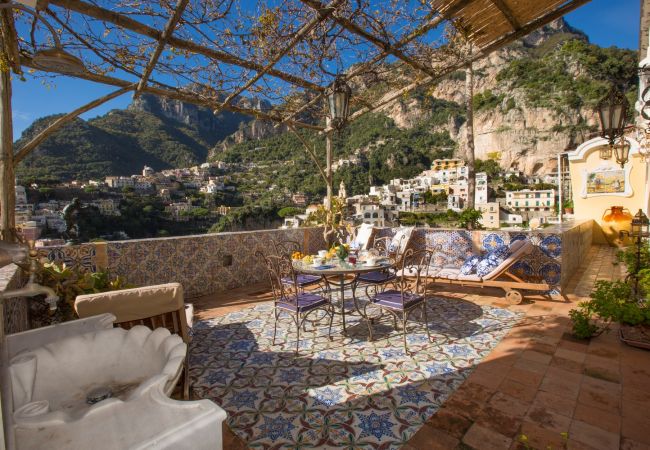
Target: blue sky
x,y
606,22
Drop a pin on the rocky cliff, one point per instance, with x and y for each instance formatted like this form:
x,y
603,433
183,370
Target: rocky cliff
x,y
521,136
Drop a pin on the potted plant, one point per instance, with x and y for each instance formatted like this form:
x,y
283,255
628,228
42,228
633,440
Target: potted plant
x,y
68,282
568,207
617,301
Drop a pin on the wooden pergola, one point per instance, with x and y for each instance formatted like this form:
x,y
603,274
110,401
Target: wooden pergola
x,y
213,53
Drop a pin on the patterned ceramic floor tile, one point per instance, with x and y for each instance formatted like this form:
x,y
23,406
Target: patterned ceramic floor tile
x,y
340,393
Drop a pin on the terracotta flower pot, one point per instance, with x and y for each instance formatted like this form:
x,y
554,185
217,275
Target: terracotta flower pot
x,y
615,220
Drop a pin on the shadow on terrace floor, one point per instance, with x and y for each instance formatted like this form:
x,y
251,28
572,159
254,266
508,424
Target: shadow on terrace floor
x,y
539,381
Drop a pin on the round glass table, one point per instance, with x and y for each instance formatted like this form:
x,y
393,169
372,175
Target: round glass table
x,y
342,274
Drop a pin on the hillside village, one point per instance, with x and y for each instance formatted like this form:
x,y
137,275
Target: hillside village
x,y
434,197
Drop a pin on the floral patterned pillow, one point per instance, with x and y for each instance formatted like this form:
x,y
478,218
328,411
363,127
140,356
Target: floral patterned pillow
x,y
492,260
469,266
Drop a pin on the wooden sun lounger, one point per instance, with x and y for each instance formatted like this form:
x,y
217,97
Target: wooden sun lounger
x,y
499,277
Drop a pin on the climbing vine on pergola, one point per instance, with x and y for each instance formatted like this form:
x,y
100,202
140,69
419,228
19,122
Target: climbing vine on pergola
x,y
215,53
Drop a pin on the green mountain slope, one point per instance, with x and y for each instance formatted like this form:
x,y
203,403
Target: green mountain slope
x,y
118,143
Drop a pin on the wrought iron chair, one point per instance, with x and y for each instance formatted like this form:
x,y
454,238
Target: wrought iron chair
x,y
375,280
408,293
286,249
290,298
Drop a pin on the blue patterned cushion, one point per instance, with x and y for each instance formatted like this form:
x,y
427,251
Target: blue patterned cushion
x,y
492,260
469,266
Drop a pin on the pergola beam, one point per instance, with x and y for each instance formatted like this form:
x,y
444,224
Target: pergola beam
x,y
177,95
166,34
521,32
63,120
8,31
125,22
321,16
385,46
7,174
430,25
507,13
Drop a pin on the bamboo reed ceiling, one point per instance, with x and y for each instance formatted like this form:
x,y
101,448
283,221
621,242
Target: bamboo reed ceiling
x,y
222,53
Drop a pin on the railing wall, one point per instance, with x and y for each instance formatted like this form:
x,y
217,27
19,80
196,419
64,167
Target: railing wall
x,y
210,263
203,264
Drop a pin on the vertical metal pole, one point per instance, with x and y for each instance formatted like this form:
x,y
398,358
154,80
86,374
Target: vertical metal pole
x,y
328,170
7,176
559,184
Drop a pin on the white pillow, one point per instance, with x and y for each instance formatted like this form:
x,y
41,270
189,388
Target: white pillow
x,y
400,239
362,238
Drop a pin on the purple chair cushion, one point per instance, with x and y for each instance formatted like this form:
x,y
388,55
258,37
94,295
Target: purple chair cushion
x,y
376,277
393,299
304,302
302,280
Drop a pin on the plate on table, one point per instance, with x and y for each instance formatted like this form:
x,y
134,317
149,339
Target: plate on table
x,y
372,266
323,267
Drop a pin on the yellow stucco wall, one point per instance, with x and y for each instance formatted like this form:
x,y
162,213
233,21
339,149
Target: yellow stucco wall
x,y
587,157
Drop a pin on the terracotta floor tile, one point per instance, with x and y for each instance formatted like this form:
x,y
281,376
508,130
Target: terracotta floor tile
x,y
577,445
597,417
490,380
567,364
603,373
630,393
509,404
636,376
540,438
454,424
500,421
546,418
601,350
570,343
631,444
601,394
542,347
527,364
632,407
537,357
483,438
565,375
565,353
525,376
555,403
523,392
593,436
636,428
560,387
497,365
469,399
605,385
429,438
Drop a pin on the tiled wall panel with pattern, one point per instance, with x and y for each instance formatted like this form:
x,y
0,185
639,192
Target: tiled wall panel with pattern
x,y
203,264
210,263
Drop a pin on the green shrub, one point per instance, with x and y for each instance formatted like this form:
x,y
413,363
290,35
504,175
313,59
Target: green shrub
x,y
469,218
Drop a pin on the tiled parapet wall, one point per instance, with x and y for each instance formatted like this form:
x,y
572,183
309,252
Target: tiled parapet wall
x,y
203,264
15,314
209,263
576,243
558,250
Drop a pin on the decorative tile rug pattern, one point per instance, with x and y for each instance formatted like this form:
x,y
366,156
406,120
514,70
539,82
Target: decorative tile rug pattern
x,y
344,393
